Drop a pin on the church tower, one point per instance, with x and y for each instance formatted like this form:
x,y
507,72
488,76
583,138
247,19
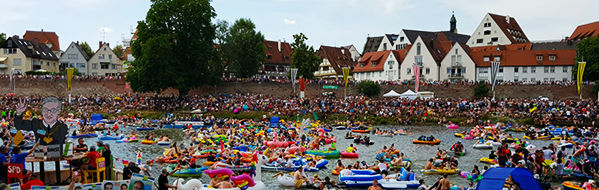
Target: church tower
x,y
452,24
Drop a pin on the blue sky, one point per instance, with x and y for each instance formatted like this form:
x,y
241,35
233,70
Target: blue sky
x,y
325,22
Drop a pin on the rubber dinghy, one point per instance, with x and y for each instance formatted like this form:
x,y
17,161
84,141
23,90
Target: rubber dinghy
x,y
402,180
360,178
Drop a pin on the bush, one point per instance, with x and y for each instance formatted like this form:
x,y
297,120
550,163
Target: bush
x,y
481,90
369,88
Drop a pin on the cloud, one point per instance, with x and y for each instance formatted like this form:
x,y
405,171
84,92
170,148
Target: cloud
x,y
105,29
289,21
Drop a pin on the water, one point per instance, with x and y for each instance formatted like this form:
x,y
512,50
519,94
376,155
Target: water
x,y
418,154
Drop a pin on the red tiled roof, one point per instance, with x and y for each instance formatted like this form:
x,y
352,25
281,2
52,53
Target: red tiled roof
x,y
512,29
337,57
564,57
274,56
585,31
379,57
43,37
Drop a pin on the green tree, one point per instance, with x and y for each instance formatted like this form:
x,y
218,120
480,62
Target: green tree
x,y
481,90
587,50
2,38
595,88
175,47
118,50
369,88
87,49
243,49
304,57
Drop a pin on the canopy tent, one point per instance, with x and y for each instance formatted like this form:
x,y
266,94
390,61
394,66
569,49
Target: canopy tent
x,y
391,93
494,179
409,94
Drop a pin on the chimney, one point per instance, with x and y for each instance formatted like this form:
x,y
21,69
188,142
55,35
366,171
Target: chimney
x,y
100,45
507,18
279,45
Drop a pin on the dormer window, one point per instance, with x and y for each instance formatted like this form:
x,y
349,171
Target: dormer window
x,y
486,59
552,58
418,49
497,59
539,58
374,63
362,64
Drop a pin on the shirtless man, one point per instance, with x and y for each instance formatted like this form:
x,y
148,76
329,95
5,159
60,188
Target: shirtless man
x,y
429,165
299,177
225,184
375,185
444,184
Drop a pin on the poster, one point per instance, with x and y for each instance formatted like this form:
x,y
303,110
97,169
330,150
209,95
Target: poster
x,y
14,186
140,182
115,185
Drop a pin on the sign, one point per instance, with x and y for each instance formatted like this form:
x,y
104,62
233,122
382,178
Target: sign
x,y
15,170
14,186
330,87
53,151
69,78
40,152
18,138
67,146
141,182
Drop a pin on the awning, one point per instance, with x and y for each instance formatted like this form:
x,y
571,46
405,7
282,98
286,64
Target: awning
x,y
3,66
2,59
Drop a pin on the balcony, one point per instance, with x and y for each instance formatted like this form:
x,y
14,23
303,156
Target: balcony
x,y
418,59
455,76
456,64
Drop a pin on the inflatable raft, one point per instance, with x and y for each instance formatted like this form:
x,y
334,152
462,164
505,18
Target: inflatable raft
x,y
433,142
360,178
441,172
323,153
345,154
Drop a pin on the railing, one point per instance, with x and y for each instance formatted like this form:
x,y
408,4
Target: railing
x,y
456,64
455,75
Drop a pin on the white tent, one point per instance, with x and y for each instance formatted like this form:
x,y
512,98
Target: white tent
x,y
409,94
391,93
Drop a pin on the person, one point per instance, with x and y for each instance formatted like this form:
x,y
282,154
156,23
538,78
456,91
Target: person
x,y
146,168
91,156
163,179
457,147
107,154
429,165
375,185
316,182
299,176
351,148
124,186
130,170
4,161
19,158
138,185
422,186
444,183
80,147
50,129
382,167
328,184
225,184
589,185
108,186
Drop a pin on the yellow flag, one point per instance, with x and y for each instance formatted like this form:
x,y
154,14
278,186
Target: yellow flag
x,y
345,74
579,74
69,77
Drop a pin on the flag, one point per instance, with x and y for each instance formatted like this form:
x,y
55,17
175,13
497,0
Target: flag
x,y
416,76
69,78
579,74
494,71
12,83
345,71
138,157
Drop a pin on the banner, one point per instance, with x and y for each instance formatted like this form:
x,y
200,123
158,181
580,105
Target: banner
x,y
330,87
579,74
494,71
302,82
416,69
345,71
69,77
12,83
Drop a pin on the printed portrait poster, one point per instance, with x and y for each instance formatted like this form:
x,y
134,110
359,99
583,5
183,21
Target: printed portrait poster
x,y
115,185
140,182
50,188
92,186
14,186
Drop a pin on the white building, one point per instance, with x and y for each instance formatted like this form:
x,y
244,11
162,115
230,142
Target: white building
x,y
75,57
497,30
457,64
104,62
379,66
333,59
421,53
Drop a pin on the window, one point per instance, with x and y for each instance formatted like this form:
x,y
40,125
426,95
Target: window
x,y
515,69
384,46
524,69
380,74
16,62
533,69
501,69
401,39
495,39
269,57
488,24
109,56
487,32
483,70
545,79
81,65
391,64
94,66
397,46
47,63
362,64
448,70
101,56
94,74
418,49
546,69
463,70
104,48
552,58
113,66
374,63
539,58
524,79
459,58
565,69
515,78
10,51
486,59
325,68
533,79
479,41
552,69
453,59
428,71
497,59
409,71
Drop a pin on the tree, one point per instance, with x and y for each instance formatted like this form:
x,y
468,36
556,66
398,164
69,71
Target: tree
x,y
243,48
369,88
118,50
2,38
595,88
87,49
304,57
587,51
175,47
481,90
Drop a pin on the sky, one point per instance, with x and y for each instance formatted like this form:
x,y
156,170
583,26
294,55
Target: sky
x,y
324,22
